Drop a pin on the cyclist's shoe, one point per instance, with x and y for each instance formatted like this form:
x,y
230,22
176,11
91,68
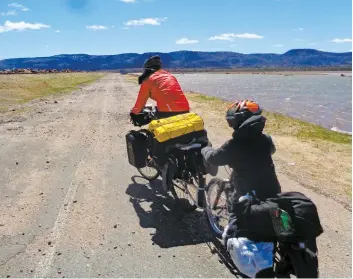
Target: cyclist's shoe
x,y
229,231
224,235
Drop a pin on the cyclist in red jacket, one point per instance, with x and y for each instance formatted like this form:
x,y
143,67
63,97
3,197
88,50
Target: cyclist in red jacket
x,y
162,87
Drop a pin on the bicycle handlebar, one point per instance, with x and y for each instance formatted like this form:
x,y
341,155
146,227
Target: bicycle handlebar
x,y
144,117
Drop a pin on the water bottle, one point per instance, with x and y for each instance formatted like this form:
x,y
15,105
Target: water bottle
x,y
282,222
286,221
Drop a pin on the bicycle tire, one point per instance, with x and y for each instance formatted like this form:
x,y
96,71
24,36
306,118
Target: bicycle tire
x,y
185,204
149,164
212,222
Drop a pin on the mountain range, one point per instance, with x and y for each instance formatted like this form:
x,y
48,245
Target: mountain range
x,y
295,58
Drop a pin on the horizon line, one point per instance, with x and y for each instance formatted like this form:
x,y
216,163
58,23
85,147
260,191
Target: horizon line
x,y
151,52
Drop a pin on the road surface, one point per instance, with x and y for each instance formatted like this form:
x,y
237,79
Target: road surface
x,y
72,206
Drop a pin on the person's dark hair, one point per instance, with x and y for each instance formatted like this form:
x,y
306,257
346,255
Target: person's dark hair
x,y
151,65
154,62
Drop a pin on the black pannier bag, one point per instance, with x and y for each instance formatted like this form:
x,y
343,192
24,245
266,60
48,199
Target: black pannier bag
x,y
289,217
136,144
253,220
303,212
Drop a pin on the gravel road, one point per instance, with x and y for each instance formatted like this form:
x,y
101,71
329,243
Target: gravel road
x,y
72,206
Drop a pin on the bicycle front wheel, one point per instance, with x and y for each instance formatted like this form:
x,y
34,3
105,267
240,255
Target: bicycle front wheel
x,y
149,172
216,206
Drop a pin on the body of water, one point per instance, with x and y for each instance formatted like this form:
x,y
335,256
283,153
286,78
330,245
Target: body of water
x,y
322,99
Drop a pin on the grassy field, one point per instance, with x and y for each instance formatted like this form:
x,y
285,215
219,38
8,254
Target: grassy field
x,y
19,89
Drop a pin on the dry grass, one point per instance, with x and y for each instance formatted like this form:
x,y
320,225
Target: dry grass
x,y
19,89
131,77
318,158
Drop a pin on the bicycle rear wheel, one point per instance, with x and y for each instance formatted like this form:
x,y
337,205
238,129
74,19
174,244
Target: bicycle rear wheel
x,y
216,206
185,193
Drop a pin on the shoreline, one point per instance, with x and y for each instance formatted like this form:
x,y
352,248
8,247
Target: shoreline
x,y
317,158
307,129
286,73
332,129
259,72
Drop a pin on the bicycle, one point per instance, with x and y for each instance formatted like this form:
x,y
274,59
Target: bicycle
x,y
183,173
217,196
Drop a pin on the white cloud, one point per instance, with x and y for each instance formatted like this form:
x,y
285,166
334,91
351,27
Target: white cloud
x,y
184,41
145,21
97,27
233,45
231,37
339,41
128,1
19,7
57,31
223,37
9,13
278,45
312,44
21,26
298,29
249,36
298,40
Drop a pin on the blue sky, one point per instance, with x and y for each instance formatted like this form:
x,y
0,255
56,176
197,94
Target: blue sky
x,y
31,28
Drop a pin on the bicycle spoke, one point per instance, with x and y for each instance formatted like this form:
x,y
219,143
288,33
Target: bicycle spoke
x,y
217,209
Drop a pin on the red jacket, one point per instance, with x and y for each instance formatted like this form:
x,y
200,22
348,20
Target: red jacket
x,y
163,88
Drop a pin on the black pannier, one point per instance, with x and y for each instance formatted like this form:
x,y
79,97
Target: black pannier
x,y
289,217
303,212
136,144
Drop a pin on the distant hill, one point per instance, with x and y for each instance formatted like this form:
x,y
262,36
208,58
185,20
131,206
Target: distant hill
x,y
295,58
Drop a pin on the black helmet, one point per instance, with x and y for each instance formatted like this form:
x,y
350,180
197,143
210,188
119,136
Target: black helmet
x,y
240,111
154,62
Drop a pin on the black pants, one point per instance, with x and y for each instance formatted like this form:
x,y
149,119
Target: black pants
x,y
162,114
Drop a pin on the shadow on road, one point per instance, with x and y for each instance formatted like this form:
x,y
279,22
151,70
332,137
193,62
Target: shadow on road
x,y
157,209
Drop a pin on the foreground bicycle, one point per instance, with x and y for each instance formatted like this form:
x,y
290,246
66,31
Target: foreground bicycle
x,y
217,195
182,171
